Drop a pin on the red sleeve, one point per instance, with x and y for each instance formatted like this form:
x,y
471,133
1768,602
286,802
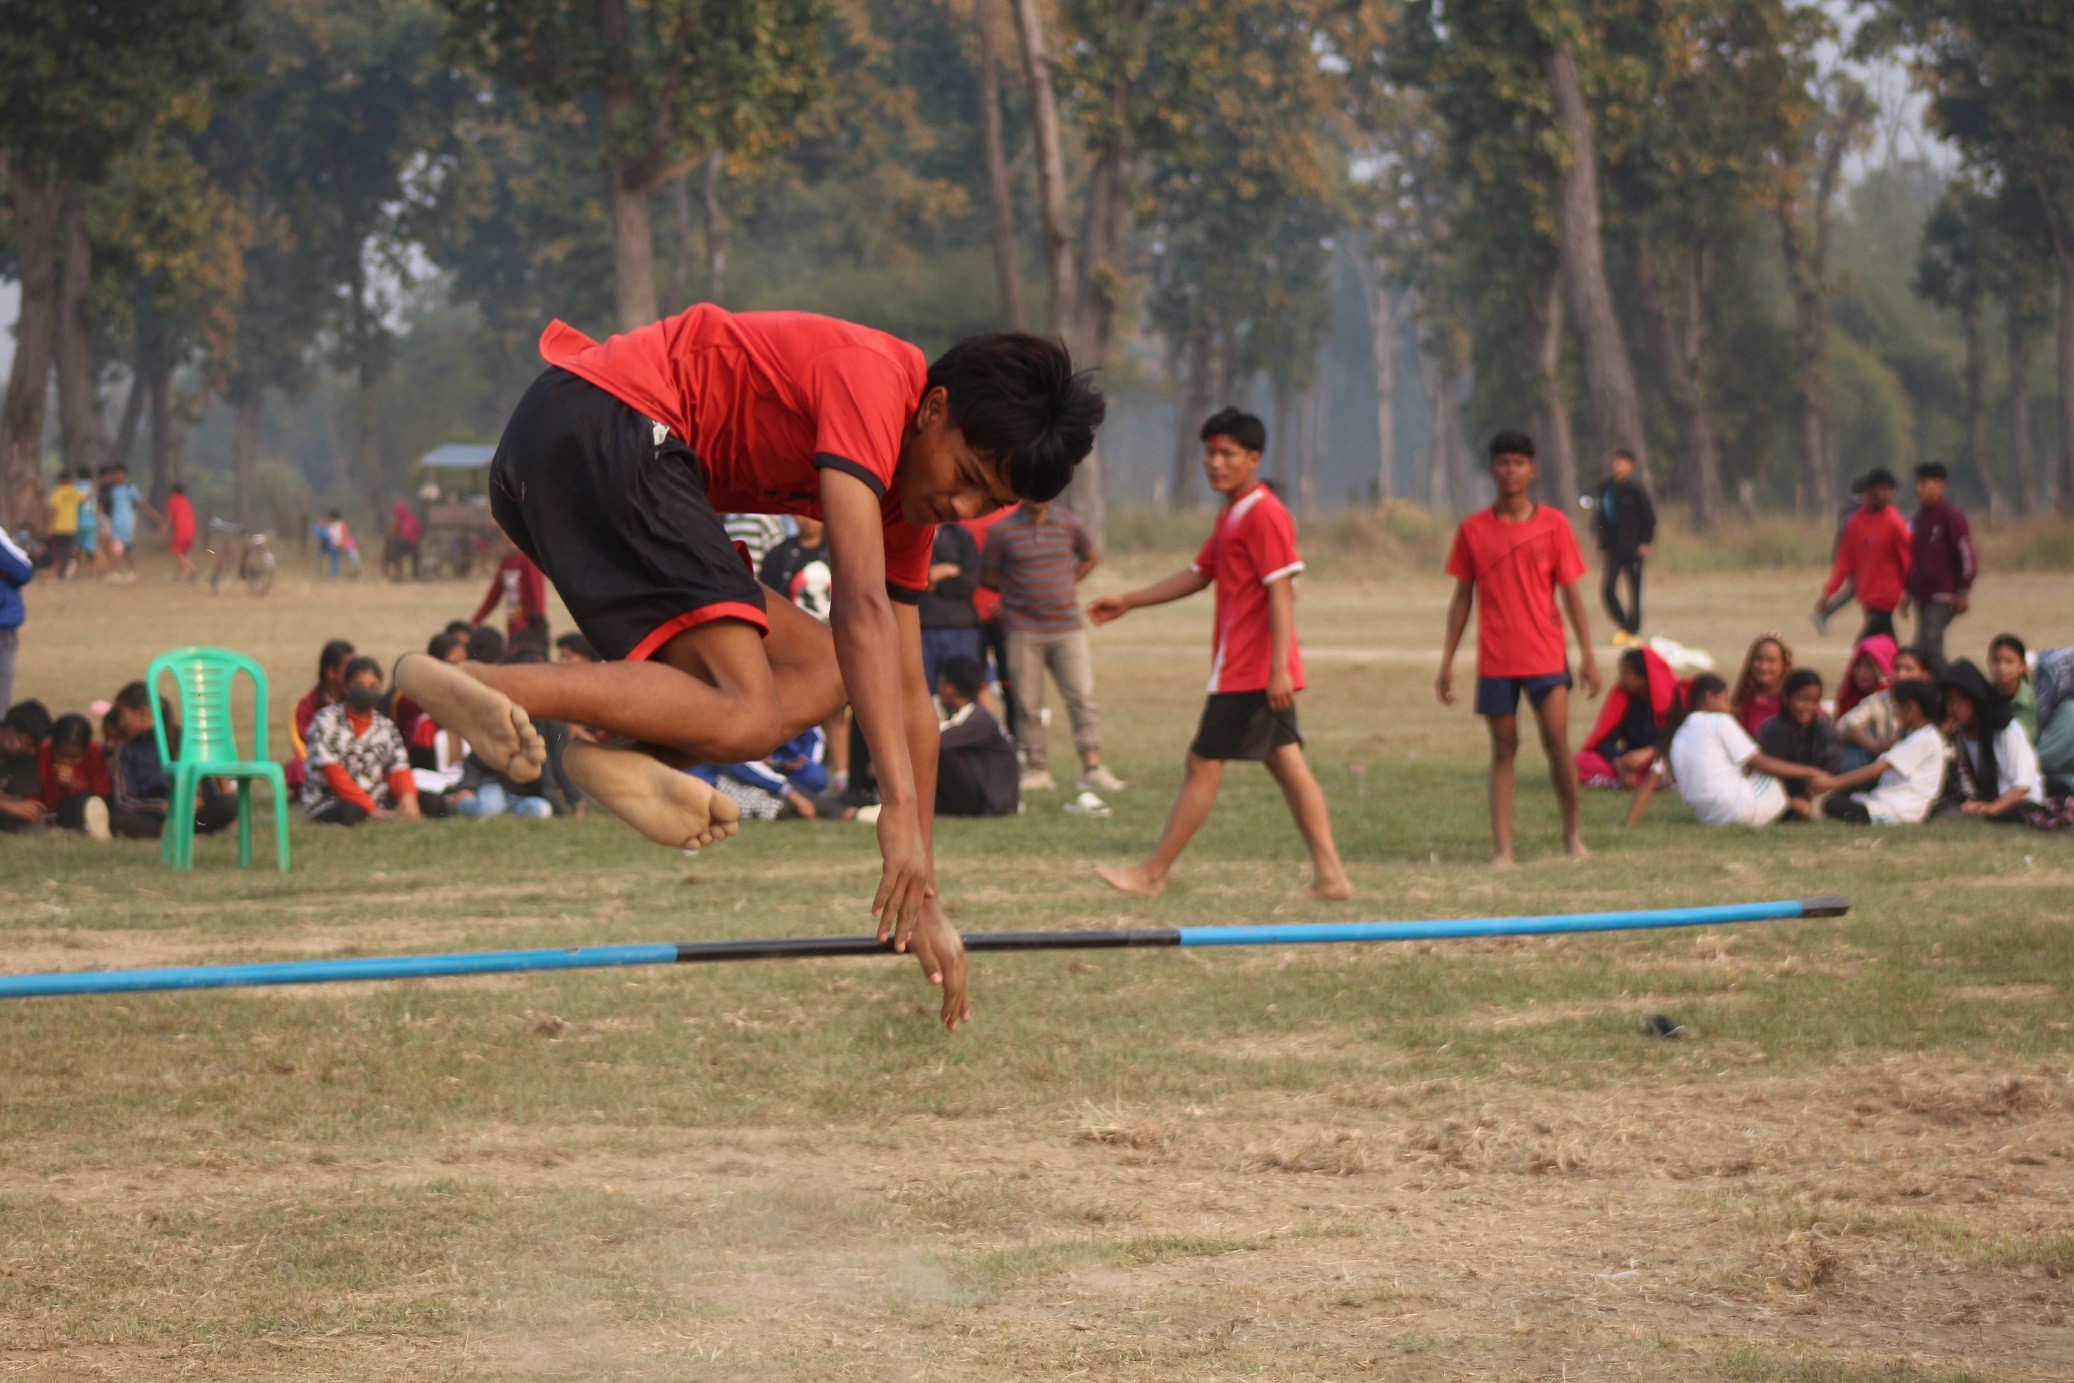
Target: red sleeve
x,y
1569,564
401,784
490,599
861,403
1904,541
1968,565
532,589
907,559
1271,541
1205,563
344,788
1840,571
1461,561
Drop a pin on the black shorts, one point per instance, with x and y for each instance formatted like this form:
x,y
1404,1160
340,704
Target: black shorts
x,y
618,520
1241,725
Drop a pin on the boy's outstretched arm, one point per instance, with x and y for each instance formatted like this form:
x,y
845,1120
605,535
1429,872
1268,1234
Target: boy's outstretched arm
x,y
1457,622
1573,606
935,943
1179,586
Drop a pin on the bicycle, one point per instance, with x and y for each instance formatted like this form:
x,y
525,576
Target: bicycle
x,y
255,556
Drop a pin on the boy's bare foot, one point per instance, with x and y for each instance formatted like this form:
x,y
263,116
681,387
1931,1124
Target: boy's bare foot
x,y
1337,886
667,805
1135,878
1575,846
1504,861
501,734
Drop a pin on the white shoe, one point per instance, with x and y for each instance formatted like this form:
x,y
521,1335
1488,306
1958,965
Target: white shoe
x,y
870,815
1099,779
97,820
1038,780
1087,804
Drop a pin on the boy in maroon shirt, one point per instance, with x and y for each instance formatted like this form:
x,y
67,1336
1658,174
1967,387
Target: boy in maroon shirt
x,y
519,587
1256,669
1942,565
1511,561
613,475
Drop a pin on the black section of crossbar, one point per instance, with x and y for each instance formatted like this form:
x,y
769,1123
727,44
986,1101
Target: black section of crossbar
x,y
798,947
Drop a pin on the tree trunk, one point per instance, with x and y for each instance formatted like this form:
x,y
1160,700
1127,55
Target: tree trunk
x,y
1051,170
1616,402
1811,342
1676,344
35,204
680,263
245,453
2066,362
716,227
1436,369
1192,404
1382,344
1976,408
82,434
1000,194
1552,408
132,416
158,383
370,446
2022,461
626,190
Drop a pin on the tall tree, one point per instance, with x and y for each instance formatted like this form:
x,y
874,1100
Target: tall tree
x,y
1008,275
1951,271
669,81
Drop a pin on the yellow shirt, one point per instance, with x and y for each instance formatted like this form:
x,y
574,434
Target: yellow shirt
x,y
64,508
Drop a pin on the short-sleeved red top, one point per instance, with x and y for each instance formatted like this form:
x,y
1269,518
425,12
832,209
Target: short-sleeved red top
x,y
1252,546
1516,568
766,399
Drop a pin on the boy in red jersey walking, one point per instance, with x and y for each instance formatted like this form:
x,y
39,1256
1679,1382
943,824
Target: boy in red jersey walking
x,y
1256,669
613,474
1511,561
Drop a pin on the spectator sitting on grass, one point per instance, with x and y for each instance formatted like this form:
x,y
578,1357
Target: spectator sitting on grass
x,y
22,734
1756,696
358,769
791,783
73,777
2010,674
1719,770
1904,782
431,749
2054,680
485,645
1625,742
574,648
483,792
1864,712
976,770
1801,734
331,675
142,790
1997,775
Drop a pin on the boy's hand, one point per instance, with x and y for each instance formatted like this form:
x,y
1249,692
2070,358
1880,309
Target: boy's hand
x,y
906,882
1281,693
408,809
1591,678
1444,685
941,951
1109,607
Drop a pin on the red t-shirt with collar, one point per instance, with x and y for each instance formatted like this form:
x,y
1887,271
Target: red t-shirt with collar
x,y
1252,546
1516,568
766,400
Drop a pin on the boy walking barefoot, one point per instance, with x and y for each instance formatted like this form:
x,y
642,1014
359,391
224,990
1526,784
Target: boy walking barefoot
x,y
613,475
1511,561
1256,670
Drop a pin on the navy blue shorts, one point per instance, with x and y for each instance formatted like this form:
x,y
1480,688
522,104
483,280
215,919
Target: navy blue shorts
x,y
1499,696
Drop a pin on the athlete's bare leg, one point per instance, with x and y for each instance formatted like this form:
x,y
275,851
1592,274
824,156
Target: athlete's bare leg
x,y
1292,772
1148,879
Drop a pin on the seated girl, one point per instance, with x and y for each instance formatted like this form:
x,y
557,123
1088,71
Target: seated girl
x,y
1756,696
2009,673
1801,734
1624,744
358,770
1997,775
1719,770
73,774
141,787
2054,681
1867,724
1902,784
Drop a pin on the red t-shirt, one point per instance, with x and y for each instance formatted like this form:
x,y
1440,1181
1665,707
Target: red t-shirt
x,y
1252,546
179,523
766,399
1516,568
985,602
1875,552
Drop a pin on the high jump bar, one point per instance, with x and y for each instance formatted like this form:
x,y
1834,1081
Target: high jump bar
x,y
788,948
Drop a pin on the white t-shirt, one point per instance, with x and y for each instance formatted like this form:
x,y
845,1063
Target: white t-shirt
x,y
2016,762
1914,778
1709,758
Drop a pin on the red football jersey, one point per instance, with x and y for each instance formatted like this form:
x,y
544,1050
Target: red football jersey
x,y
766,399
1252,546
1516,568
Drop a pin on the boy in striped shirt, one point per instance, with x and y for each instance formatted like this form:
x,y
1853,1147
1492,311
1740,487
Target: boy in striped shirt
x,y
1256,669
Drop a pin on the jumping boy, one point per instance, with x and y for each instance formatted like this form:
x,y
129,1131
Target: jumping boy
x,y
613,475
1511,561
1256,669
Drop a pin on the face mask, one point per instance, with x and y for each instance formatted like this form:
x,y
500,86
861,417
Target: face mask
x,y
363,698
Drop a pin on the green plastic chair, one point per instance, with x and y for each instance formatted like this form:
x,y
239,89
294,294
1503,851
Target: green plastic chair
x,y
205,678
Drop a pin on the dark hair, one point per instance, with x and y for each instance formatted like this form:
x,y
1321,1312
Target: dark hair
x,y
1858,484
966,674
1799,680
1687,703
442,644
524,650
1932,470
485,645
579,645
460,629
2010,642
1880,475
30,719
1623,454
71,733
1239,425
1017,399
360,665
1511,443
134,696
1635,661
333,514
538,621
335,654
1921,694
1930,661
178,487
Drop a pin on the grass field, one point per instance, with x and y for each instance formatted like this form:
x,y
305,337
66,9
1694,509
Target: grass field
x,y
1438,1161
